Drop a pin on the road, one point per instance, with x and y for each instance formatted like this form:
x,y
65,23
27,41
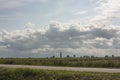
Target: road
x,y
63,68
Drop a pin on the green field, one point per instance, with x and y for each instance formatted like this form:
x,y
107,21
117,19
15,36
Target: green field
x,y
72,62
34,74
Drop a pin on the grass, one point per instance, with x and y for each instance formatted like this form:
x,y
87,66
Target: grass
x,y
72,62
35,74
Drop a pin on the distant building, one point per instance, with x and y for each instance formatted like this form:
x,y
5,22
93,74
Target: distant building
x,y
60,54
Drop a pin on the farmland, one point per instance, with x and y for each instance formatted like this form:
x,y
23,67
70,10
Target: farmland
x,y
96,62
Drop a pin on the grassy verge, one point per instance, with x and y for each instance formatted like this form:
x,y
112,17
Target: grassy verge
x,y
35,74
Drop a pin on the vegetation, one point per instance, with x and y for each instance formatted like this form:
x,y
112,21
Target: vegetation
x,y
34,74
106,62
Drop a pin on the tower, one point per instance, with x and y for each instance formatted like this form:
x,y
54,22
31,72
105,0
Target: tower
x,y
60,54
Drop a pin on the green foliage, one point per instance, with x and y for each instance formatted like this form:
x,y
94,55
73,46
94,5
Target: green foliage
x,y
73,62
34,74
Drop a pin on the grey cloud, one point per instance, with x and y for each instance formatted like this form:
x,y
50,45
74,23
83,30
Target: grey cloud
x,y
104,33
57,37
107,11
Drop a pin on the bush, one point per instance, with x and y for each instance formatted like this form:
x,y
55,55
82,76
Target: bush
x,y
34,74
73,62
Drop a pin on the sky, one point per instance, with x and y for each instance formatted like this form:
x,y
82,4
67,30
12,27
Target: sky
x,y
43,28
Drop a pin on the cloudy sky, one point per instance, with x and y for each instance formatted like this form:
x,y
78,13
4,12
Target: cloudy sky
x,y
42,28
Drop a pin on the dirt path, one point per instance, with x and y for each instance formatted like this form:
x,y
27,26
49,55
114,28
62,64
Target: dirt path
x,y
63,68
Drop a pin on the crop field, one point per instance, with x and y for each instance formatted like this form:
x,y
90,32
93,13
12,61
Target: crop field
x,y
72,62
34,74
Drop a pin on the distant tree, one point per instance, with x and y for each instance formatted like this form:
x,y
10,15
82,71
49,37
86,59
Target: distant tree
x,y
113,56
80,56
53,56
86,56
68,56
74,56
92,56
106,56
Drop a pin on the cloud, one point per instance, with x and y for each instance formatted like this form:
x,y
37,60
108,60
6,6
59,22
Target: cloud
x,y
107,11
29,25
109,7
80,12
8,4
55,36
60,37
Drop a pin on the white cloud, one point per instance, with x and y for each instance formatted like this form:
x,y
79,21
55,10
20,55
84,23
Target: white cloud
x,y
8,4
108,11
30,25
57,37
80,12
109,7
